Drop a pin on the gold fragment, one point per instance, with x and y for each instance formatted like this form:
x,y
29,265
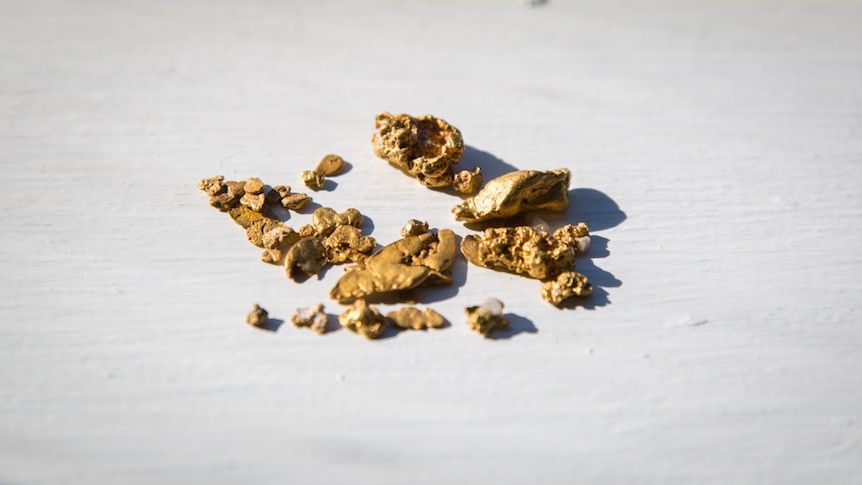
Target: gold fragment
x,y
330,165
229,197
325,219
414,227
277,193
425,147
346,243
516,192
313,179
407,263
487,317
279,237
307,256
253,186
363,319
253,202
307,230
257,317
566,285
295,202
244,216
412,318
525,250
212,185
272,256
254,232
467,182
311,317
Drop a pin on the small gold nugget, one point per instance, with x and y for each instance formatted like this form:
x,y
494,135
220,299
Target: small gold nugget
x,y
412,318
566,285
363,319
517,192
311,317
313,179
330,165
425,147
487,316
257,317
414,227
467,182
405,264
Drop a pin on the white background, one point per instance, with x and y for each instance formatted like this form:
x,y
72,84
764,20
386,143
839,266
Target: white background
x,y
715,148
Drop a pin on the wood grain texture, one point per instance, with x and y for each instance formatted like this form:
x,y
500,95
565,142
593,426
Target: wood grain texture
x,y
715,149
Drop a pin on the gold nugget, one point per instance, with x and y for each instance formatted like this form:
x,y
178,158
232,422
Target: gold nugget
x,y
257,317
412,318
311,317
487,317
516,192
363,319
313,179
525,250
566,285
425,147
414,227
330,165
405,264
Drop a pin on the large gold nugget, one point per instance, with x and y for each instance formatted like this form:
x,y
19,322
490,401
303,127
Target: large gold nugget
x,y
517,192
526,251
407,263
425,147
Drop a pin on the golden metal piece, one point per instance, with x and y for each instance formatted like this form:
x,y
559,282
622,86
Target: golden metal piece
x,y
330,165
253,202
311,317
346,243
487,317
363,319
412,318
526,251
414,227
405,264
229,196
516,192
244,216
255,231
253,186
313,179
467,182
212,185
566,285
272,256
325,219
425,147
257,317
307,256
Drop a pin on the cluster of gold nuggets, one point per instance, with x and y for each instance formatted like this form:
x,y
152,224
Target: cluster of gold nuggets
x,y
425,148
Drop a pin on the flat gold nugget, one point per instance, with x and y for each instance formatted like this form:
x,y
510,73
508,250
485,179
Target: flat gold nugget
x,y
516,192
412,318
405,264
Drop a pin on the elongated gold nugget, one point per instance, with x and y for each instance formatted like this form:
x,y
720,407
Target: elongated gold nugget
x,y
516,192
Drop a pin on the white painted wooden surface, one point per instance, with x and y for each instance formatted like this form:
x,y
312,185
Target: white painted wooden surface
x,y
716,148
